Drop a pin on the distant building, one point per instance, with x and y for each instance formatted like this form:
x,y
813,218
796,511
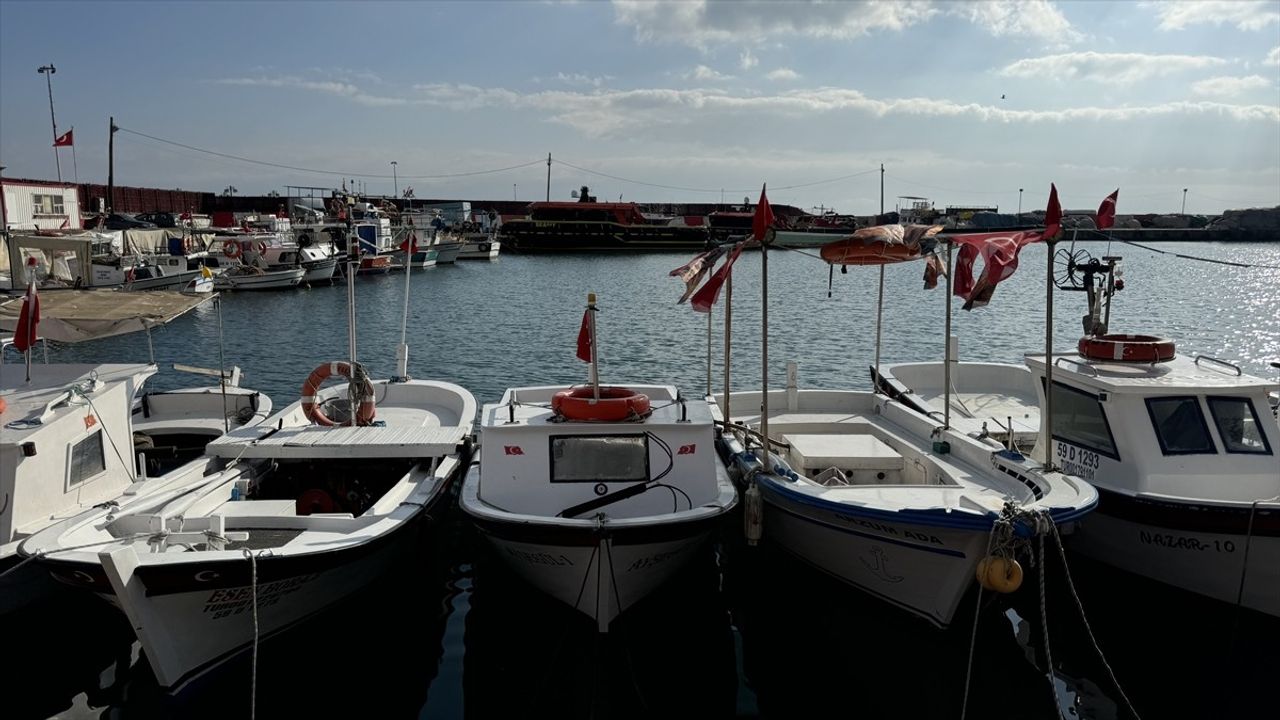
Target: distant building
x,y
41,205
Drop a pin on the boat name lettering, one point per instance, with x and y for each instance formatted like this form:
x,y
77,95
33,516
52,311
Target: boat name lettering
x,y
1085,460
539,558
1182,542
234,601
652,560
889,530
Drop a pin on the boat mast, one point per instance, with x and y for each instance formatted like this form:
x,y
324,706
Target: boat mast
x,y
880,293
1048,354
728,327
595,368
353,263
402,352
764,348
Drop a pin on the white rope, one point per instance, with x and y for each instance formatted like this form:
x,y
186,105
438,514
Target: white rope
x,y
253,584
973,638
1044,620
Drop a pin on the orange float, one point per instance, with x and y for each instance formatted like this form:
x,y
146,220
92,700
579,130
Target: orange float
x,y
615,404
1127,348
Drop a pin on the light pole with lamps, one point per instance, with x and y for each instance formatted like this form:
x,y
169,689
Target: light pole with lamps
x,y
1019,202
1184,201
48,71
395,182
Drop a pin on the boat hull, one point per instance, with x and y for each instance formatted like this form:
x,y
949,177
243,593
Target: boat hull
x,y
1192,547
277,280
447,252
425,258
920,568
602,572
320,270
546,236
480,248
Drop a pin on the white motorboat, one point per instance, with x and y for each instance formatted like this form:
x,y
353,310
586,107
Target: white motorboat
x,y
597,495
319,262
886,499
480,246
301,516
80,435
447,246
250,277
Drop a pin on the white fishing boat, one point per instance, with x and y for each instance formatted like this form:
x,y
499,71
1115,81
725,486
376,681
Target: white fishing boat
x,y
1183,451
250,277
303,510
886,499
80,435
480,246
447,246
319,262
597,502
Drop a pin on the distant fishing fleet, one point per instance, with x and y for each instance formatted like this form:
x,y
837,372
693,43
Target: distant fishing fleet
x,y
213,520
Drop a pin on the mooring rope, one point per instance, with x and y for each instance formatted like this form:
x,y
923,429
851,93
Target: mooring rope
x,y
977,612
1044,613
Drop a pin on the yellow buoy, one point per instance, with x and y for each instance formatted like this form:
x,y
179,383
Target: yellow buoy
x,y
999,574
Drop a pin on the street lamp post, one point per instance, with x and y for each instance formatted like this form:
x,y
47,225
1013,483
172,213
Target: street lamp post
x,y
395,182
1019,202
1184,201
48,71
513,191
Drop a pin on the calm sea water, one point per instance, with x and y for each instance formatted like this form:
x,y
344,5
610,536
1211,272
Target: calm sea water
x,y
742,633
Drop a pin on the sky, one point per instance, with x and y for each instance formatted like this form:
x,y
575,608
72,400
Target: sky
x,y
965,103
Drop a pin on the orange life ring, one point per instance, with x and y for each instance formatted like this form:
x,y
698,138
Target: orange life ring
x,y
311,407
866,251
231,249
1126,348
616,403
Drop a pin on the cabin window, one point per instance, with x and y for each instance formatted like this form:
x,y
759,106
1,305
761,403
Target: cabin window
x,y
87,459
599,458
1180,426
1078,418
47,205
1238,425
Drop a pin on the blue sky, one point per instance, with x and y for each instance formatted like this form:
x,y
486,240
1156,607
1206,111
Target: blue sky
x,y
964,102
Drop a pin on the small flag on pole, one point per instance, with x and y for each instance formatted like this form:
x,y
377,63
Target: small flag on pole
x,y
25,334
1107,211
410,244
1052,214
64,140
693,271
584,337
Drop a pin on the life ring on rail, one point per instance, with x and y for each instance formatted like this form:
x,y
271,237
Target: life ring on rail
x,y
615,404
1126,348
191,245
311,406
259,246
232,249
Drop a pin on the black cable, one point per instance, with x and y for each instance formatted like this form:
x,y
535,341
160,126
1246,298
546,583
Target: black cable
x,y
714,190
324,172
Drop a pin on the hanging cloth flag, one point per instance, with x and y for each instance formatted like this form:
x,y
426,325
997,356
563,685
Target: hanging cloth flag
x,y
999,253
25,334
1052,214
64,140
1107,211
584,337
693,271
763,219
710,293
410,243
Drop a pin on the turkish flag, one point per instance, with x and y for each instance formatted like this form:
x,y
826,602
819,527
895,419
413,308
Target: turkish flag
x,y
1107,211
24,336
64,139
710,292
410,244
584,337
763,217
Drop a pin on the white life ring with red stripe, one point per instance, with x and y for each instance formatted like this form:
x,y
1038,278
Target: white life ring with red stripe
x,y
310,388
1127,348
615,404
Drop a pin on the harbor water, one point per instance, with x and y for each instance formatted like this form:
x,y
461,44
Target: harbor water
x,y
743,632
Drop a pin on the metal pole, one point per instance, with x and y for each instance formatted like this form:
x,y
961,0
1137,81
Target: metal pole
x,y
1019,203
352,266
709,353
111,166
395,182
1184,201
222,365
402,353
881,192
946,356
879,313
1048,355
48,71
595,367
764,351
728,327
75,167
548,177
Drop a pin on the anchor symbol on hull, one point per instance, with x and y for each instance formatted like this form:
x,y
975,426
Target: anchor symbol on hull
x,y
878,567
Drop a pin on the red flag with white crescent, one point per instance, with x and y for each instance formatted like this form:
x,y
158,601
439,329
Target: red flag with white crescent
x,y
64,140
24,336
1107,211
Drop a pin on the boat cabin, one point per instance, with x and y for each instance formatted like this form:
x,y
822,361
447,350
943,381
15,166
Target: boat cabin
x,y
536,462
1164,428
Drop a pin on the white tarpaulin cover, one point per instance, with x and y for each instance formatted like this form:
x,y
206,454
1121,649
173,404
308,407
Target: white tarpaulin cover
x,y
78,315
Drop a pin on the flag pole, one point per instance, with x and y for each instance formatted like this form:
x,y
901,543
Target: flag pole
x,y
595,368
946,362
764,349
1048,356
728,327
402,352
75,167
880,292
709,354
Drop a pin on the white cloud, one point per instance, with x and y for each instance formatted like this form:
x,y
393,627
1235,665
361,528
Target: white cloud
x,y
702,23
783,74
580,79
1110,68
1230,86
1036,18
746,60
702,72
1244,14
329,87
1273,57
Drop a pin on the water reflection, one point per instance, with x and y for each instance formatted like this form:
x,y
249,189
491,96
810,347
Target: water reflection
x,y
671,655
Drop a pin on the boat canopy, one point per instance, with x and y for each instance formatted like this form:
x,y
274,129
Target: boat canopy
x,y
79,315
